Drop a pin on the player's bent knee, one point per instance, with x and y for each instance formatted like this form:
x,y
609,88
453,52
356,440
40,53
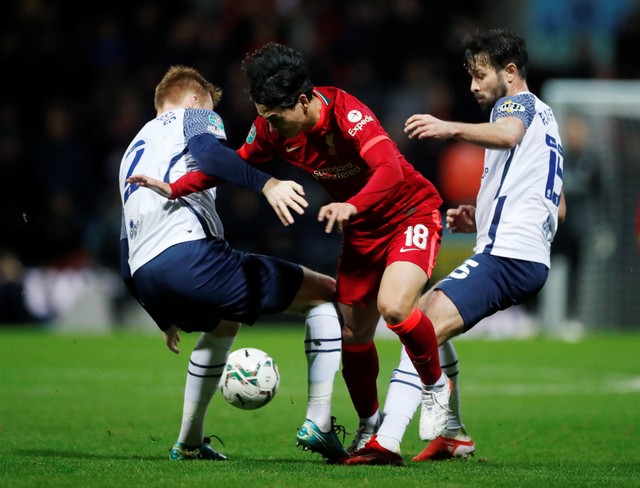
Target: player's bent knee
x,y
395,313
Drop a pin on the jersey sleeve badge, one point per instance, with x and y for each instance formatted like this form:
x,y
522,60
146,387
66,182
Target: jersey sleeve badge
x,y
216,126
251,136
521,106
510,107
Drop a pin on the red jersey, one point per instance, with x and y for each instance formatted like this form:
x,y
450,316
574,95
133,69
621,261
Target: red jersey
x,y
343,152
354,158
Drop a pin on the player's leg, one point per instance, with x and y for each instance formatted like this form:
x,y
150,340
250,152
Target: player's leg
x,y
403,398
360,368
314,289
323,339
479,292
277,286
480,286
398,298
471,292
448,324
205,368
361,266
400,290
454,442
449,364
322,348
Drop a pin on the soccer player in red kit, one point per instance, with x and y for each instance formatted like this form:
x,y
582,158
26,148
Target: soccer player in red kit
x,y
388,214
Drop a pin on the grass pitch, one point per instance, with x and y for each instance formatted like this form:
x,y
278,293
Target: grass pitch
x,y
103,411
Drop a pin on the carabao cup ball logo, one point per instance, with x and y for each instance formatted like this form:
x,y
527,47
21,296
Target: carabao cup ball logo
x,y
354,116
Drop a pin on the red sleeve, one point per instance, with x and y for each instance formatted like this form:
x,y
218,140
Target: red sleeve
x,y
192,182
257,147
387,175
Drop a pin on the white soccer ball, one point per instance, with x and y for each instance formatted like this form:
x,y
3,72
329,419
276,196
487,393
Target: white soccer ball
x,y
250,379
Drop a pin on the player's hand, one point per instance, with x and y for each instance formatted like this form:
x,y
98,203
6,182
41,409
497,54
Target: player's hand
x,y
285,195
160,187
423,126
461,219
172,338
336,213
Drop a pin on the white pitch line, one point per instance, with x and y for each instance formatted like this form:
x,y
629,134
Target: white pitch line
x,y
618,387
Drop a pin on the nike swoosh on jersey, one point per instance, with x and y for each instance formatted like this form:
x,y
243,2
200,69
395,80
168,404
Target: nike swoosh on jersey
x,y
292,148
407,249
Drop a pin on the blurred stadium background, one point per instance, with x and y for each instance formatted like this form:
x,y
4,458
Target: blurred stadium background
x,y
79,83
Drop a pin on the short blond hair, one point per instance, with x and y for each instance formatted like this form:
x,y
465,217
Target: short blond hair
x,y
181,79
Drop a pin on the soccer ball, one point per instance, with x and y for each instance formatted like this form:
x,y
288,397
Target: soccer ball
x,y
250,379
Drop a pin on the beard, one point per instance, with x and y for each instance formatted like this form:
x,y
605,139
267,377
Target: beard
x,y
488,102
486,105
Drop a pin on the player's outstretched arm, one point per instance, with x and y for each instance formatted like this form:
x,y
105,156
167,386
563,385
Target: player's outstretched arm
x,y
423,126
504,133
285,195
192,182
160,187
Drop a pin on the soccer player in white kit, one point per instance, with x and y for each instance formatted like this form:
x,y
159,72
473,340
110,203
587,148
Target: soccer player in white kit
x,y
177,264
515,218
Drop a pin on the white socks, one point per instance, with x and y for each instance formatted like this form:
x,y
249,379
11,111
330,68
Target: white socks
x,y
449,365
323,342
404,397
206,366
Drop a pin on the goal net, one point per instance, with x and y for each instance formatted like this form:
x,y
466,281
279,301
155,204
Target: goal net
x,y
595,276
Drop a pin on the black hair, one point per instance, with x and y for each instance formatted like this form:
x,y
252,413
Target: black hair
x,y
498,48
278,75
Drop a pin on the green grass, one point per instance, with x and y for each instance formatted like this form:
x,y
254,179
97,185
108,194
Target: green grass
x,y
103,411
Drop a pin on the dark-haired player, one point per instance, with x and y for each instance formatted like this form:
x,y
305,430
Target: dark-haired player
x,y
517,211
388,214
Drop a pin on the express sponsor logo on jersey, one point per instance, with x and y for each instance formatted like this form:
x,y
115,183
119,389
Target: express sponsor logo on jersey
x,y
216,126
510,106
363,121
251,136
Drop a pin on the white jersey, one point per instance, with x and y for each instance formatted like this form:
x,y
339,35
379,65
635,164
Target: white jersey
x,y
517,205
153,223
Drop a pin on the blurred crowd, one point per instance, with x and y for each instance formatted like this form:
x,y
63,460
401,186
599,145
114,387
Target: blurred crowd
x,y
79,82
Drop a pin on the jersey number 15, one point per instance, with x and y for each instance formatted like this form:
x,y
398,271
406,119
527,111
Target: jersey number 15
x,y
554,178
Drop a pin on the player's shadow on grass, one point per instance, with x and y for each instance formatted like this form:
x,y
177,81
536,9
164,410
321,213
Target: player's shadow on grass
x,y
57,453
50,453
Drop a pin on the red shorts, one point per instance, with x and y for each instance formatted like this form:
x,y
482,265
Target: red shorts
x,y
366,254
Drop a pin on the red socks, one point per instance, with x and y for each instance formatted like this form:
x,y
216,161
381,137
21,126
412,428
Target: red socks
x,y
419,339
360,369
